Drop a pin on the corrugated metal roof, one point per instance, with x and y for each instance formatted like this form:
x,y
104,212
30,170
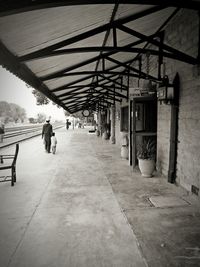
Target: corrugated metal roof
x,y
72,42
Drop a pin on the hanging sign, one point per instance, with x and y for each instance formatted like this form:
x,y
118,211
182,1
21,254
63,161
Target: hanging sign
x,y
134,91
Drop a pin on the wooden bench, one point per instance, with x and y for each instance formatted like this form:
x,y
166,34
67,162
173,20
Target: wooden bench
x,y
8,162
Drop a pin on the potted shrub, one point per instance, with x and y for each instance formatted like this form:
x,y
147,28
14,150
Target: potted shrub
x,y
146,153
105,129
124,147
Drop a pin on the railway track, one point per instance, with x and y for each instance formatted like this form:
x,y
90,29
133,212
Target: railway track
x,y
20,133
16,131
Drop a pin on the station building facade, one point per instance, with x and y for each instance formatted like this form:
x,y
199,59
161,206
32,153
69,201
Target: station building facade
x,y
175,125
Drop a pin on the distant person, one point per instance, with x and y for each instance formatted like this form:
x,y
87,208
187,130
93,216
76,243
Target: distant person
x,y
53,143
67,124
46,134
1,132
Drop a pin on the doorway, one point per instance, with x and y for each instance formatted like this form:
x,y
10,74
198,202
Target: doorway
x,y
143,123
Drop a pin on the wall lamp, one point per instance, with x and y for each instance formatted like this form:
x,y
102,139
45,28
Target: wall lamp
x,y
165,92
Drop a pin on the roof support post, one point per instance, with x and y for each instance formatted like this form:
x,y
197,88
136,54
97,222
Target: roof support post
x,y
198,57
114,96
112,136
128,81
160,57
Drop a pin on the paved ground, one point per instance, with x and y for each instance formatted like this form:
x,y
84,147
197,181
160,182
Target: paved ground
x,y
84,206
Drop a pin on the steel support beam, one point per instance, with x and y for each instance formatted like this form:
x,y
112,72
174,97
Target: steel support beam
x,y
77,73
173,53
48,50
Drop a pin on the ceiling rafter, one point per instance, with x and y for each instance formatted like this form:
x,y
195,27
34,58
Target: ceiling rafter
x,y
107,91
90,49
105,95
115,82
177,54
131,68
80,95
173,53
75,103
89,61
50,49
158,32
107,35
75,90
111,53
77,73
64,87
114,92
87,92
87,103
129,45
62,74
78,101
93,86
69,92
75,96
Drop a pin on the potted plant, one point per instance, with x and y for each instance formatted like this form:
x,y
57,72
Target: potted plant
x,y
124,147
146,153
105,129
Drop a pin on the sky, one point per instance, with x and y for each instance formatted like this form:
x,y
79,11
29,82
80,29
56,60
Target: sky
x,y
14,90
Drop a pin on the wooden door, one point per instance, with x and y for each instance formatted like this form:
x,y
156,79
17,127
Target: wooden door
x,y
143,123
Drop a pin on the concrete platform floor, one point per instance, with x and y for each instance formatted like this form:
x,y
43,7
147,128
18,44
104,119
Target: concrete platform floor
x,y
84,206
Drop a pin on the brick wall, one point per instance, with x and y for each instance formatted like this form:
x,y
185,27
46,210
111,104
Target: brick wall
x,y
182,34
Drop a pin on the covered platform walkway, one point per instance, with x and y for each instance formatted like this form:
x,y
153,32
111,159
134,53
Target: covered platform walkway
x,y
84,206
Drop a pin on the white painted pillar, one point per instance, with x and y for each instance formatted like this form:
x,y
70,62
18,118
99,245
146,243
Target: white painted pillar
x,y
100,123
112,137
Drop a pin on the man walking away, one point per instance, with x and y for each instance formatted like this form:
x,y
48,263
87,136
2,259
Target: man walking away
x,y
46,133
67,124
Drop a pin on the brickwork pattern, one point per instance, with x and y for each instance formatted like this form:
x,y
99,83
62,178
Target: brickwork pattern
x,y
182,34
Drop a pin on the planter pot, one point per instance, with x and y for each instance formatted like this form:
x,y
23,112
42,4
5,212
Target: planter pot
x,y
97,132
147,167
124,152
105,135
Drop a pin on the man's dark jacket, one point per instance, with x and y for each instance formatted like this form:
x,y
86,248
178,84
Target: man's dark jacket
x,y
47,131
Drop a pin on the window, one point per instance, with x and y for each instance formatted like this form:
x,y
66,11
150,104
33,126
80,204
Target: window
x,y
124,119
